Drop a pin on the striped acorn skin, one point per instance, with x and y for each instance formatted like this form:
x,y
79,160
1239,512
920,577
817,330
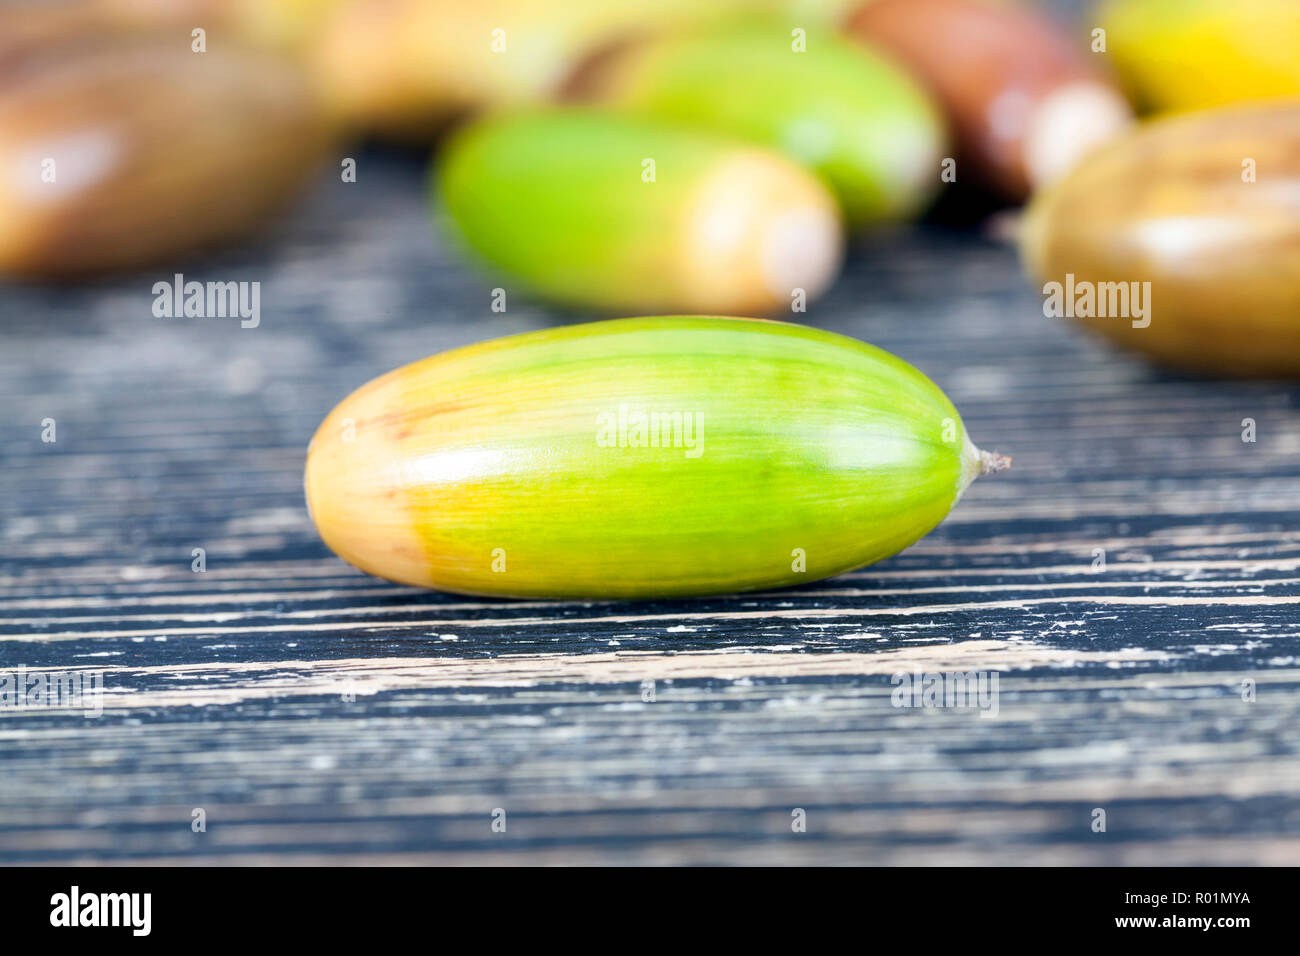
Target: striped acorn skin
x,y
558,201
1169,206
861,123
505,468
1192,54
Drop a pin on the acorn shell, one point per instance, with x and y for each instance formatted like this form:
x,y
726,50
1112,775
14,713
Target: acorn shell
x,y
127,150
1206,208
649,457
1193,54
834,106
599,210
1025,99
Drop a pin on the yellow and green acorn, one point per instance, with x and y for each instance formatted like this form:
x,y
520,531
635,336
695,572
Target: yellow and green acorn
x,y
600,210
638,458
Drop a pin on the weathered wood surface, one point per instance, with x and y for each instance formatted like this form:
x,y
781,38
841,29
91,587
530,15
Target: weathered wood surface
x,y
318,715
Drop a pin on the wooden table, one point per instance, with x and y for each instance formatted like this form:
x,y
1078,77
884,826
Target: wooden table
x,y
317,715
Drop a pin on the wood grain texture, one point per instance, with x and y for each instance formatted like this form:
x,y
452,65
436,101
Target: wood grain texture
x,y
321,716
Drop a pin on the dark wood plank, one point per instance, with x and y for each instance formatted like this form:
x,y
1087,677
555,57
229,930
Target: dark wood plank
x,y
318,715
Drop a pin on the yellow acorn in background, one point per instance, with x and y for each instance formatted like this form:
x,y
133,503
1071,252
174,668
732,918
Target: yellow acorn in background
x,y
276,24
405,67
1192,54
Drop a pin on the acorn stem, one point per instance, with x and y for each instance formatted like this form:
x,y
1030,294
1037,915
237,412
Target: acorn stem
x,y
991,461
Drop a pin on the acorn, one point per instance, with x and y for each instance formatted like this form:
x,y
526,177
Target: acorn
x,y
1183,241
638,458
1024,100
604,211
123,151
406,67
1193,54
277,24
857,120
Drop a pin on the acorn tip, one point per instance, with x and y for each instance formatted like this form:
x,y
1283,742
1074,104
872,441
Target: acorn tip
x,y
991,461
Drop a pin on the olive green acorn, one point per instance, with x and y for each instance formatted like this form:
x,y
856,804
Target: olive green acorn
x,y
859,121
604,211
638,458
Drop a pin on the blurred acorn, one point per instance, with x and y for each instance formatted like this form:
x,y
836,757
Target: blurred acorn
x,y
276,24
1190,54
858,121
405,67
122,150
27,24
1024,100
1206,208
604,211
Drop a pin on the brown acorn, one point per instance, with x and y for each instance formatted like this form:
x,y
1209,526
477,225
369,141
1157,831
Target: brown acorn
x,y
1024,100
1194,221
121,150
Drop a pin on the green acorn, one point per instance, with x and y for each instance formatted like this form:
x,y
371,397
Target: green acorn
x,y
604,211
836,107
639,458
